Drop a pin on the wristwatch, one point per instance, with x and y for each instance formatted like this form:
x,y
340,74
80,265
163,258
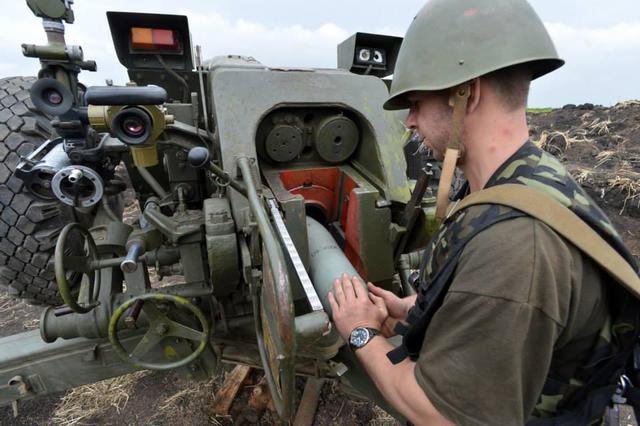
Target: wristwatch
x,y
360,336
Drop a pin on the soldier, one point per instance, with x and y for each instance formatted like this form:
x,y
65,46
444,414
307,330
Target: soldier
x,y
508,312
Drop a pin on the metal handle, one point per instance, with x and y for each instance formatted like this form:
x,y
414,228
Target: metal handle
x,y
133,314
130,262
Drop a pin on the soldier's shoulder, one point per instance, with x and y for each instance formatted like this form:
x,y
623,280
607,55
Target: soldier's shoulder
x,y
521,260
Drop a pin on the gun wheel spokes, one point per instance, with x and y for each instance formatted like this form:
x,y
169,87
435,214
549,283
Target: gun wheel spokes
x,y
160,326
65,261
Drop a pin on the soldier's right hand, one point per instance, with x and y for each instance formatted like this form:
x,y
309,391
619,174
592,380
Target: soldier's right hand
x,y
397,307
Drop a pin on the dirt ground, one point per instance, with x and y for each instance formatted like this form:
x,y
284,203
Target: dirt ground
x,y
601,148
161,398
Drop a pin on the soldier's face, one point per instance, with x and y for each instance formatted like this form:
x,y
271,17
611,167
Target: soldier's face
x,y
430,116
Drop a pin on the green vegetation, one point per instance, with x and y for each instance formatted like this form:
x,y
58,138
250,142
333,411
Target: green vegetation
x,y
539,110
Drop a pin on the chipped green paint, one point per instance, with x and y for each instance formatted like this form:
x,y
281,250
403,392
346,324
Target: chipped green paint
x,y
170,352
394,157
391,141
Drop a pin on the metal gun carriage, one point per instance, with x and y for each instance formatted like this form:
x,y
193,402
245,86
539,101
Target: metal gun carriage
x,y
256,186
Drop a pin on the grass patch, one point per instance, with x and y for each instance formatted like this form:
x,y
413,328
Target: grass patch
x,y
605,156
582,175
629,186
629,103
15,313
539,110
599,127
557,142
84,402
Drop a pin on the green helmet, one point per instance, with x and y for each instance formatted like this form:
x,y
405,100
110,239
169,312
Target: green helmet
x,y
450,42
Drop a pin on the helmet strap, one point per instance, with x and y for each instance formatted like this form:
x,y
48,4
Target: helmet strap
x,y
458,99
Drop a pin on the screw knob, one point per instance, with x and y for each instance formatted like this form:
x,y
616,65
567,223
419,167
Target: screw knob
x,y
199,157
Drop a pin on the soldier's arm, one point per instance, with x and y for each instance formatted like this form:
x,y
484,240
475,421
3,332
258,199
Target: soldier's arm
x,y
398,384
352,307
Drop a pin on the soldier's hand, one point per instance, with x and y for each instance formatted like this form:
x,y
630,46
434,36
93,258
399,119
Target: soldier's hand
x,y
352,307
397,307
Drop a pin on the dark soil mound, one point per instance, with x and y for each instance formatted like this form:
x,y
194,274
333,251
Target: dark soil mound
x,y
601,148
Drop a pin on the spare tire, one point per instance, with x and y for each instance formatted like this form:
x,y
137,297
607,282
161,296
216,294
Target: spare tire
x,y
29,225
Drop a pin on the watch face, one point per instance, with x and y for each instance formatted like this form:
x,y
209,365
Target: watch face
x,y
359,337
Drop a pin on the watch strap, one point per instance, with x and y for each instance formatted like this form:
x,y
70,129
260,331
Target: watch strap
x,y
372,333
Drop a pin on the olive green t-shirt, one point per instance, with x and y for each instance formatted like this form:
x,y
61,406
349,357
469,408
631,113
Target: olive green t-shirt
x,y
523,303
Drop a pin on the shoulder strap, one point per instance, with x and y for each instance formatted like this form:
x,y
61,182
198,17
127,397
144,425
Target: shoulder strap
x,y
563,221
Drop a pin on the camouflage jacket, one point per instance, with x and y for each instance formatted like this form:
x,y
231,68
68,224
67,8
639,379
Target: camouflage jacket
x,y
537,169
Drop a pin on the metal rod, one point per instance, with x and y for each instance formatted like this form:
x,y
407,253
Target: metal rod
x,y
152,182
161,256
205,113
269,239
54,29
238,186
281,285
130,262
106,263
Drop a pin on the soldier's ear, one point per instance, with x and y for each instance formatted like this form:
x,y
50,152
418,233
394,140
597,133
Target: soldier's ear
x,y
476,88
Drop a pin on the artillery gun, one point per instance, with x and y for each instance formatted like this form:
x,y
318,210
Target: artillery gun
x,y
256,186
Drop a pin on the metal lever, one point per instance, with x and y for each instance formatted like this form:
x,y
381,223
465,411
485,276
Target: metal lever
x,y
411,210
133,314
130,263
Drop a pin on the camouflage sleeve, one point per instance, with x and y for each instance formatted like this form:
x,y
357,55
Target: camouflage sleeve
x,y
488,349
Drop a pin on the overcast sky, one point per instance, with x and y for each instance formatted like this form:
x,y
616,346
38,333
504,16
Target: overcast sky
x,y
600,40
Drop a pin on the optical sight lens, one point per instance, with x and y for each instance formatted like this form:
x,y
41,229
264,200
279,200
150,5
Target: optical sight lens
x,y
53,97
133,126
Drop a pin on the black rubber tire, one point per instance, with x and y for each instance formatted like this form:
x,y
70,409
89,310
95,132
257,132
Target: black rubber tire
x,y
29,226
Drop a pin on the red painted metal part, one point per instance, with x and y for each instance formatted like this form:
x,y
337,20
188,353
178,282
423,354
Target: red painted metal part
x,y
322,187
317,186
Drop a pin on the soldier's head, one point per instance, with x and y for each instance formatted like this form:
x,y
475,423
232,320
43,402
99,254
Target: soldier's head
x,y
496,46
